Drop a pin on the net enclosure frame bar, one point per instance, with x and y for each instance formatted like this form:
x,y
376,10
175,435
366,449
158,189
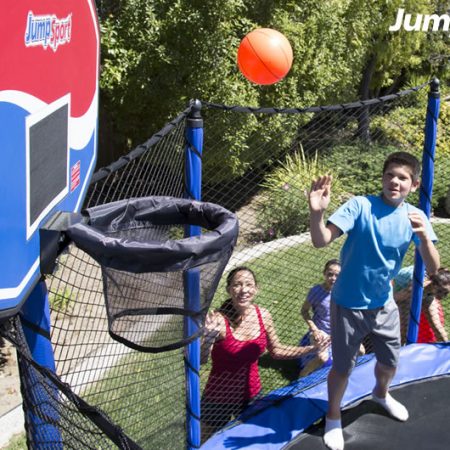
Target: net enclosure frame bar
x,y
426,193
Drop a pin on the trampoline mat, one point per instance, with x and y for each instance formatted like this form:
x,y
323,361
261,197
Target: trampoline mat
x,y
368,427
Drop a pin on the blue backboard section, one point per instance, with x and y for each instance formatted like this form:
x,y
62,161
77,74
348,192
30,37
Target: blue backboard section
x,y
19,237
19,266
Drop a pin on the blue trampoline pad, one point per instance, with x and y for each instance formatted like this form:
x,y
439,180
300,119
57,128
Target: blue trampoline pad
x,y
294,421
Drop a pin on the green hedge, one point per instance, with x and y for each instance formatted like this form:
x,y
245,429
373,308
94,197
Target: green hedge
x,y
356,170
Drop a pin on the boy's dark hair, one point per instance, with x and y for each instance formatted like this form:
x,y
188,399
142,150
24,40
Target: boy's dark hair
x,y
404,159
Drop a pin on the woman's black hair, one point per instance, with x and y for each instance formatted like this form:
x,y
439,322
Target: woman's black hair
x,y
441,278
233,272
331,262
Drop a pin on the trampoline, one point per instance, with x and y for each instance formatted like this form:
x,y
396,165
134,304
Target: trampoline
x,y
294,422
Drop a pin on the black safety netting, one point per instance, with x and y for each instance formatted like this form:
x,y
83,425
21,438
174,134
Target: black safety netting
x,y
50,405
143,394
257,163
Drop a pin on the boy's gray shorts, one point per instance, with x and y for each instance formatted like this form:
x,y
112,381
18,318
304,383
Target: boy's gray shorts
x,y
350,326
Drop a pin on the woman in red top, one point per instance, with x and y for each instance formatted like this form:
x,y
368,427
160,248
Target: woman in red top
x,y
236,335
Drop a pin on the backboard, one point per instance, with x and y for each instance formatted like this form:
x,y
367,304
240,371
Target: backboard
x,y
48,127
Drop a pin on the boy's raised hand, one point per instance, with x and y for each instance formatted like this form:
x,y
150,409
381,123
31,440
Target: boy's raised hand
x,y
320,193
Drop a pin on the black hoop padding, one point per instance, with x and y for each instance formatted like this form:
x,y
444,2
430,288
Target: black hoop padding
x,y
95,236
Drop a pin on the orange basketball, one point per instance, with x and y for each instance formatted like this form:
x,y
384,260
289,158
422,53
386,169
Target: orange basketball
x,y
264,56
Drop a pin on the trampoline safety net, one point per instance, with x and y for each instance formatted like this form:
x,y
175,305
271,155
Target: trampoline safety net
x,y
257,163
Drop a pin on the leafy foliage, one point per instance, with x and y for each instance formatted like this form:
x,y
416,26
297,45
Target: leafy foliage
x,y
157,55
359,167
356,169
18,442
63,300
283,206
394,55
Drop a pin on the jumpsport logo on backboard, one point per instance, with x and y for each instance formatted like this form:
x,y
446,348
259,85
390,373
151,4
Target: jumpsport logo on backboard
x,y
47,31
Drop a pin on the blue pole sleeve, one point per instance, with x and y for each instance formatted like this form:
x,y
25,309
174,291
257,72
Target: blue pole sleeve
x,y
193,176
426,192
36,326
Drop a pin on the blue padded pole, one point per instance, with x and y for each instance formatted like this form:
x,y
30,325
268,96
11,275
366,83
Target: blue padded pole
x,y
426,192
193,177
36,325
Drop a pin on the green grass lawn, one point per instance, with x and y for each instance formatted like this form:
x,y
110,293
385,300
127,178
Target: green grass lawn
x,y
144,395
18,442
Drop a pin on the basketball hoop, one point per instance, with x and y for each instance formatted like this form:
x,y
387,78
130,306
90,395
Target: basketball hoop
x,y
151,274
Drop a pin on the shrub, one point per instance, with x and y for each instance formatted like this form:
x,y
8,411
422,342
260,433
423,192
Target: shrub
x,y
283,207
62,300
441,185
356,170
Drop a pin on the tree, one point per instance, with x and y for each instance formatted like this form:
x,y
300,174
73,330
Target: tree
x,y
156,55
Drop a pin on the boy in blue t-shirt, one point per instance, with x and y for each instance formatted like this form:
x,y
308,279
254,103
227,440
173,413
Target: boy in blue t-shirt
x,y
379,231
